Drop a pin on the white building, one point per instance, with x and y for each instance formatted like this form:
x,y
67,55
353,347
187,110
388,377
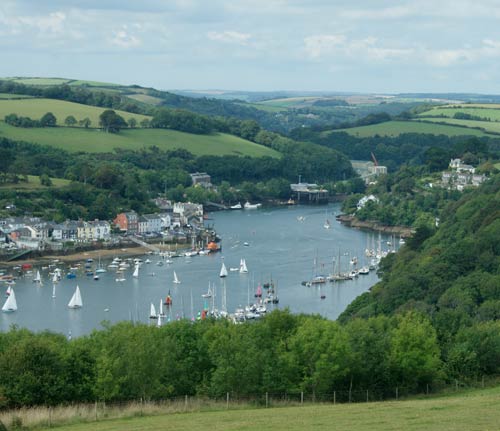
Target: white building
x,y
365,199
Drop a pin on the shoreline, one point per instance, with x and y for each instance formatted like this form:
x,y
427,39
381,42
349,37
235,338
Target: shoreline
x,y
353,222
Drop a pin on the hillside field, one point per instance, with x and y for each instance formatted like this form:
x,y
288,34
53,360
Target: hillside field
x,y
34,184
472,411
487,126
479,110
395,128
96,141
36,108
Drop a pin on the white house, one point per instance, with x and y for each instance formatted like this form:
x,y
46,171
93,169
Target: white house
x,y
365,199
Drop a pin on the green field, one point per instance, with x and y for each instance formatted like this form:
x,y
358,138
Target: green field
x,y
473,411
36,108
144,98
14,96
38,81
96,141
34,184
488,126
395,128
484,111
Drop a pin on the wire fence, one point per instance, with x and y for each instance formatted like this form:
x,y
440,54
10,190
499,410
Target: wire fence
x,y
49,416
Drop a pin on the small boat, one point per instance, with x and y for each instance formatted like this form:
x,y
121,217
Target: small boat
x,y
120,279
159,263
168,300
96,276
209,292
243,266
238,206
246,244
136,271
37,278
223,271
147,261
76,299
152,312
176,280
327,224
364,270
249,206
258,293
70,275
10,304
234,269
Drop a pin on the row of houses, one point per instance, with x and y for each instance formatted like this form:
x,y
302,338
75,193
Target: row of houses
x,y
461,176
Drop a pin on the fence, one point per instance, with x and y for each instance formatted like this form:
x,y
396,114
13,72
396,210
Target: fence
x,y
48,416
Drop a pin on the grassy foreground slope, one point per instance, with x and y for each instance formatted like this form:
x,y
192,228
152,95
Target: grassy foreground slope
x,y
36,108
476,410
96,141
395,128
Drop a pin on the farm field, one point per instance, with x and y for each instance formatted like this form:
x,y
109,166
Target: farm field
x,y
395,128
485,111
36,108
38,81
14,96
472,411
34,184
151,100
96,141
488,126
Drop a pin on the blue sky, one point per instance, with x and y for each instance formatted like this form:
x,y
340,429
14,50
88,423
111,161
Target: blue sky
x,y
364,46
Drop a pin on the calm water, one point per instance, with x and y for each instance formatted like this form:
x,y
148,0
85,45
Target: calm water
x,y
280,247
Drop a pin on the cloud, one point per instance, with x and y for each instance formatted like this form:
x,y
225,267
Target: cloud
x,y
230,37
124,39
396,12
319,45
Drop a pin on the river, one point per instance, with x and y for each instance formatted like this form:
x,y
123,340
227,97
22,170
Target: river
x,y
287,245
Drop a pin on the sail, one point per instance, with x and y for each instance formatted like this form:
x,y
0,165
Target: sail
x,y
11,303
152,312
54,277
176,280
223,271
136,271
38,277
243,266
76,299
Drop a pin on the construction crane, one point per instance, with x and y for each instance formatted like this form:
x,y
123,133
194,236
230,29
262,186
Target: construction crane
x,y
374,159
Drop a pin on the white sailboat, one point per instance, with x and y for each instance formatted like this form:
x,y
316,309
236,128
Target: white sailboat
x,y
176,280
223,271
55,278
76,299
37,278
136,272
100,269
9,289
152,312
243,266
10,304
209,292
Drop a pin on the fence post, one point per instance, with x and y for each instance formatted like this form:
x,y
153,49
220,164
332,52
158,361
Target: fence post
x,y
95,410
350,394
427,389
367,399
301,398
50,417
141,406
334,397
185,402
227,400
456,385
267,400
397,394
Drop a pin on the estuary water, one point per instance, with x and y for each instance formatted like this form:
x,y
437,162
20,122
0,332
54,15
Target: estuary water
x,y
286,245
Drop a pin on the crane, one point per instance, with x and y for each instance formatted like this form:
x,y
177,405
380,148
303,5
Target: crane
x,y
375,162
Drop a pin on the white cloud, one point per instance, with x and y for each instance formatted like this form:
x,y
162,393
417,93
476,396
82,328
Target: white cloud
x,y
319,45
124,39
229,37
396,12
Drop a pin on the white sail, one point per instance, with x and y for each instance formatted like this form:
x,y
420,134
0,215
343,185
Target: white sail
x,y
176,280
54,277
223,271
152,312
7,292
136,271
11,303
243,266
38,278
76,299
53,290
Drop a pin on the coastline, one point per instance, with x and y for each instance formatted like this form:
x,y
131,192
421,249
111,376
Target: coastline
x,y
352,221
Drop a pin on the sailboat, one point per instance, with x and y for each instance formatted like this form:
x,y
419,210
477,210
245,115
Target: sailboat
x,y
152,312
37,278
10,304
136,272
176,280
53,290
258,293
326,225
243,266
7,292
209,292
100,269
76,299
55,278
223,271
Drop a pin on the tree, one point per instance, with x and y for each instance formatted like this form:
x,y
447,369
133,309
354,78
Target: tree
x,y
48,120
144,123
132,123
111,122
85,122
70,121
45,180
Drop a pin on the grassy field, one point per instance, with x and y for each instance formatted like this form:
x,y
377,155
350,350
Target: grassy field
x,y
38,81
488,126
95,141
475,410
151,100
36,108
395,128
14,96
484,111
34,184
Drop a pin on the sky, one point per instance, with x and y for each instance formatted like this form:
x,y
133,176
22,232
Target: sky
x,y
373,46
